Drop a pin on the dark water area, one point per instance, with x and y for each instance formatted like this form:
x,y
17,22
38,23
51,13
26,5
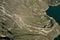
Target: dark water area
x,y
57,38
54,11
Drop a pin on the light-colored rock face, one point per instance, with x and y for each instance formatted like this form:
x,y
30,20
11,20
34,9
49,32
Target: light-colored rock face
x,y
26,17
32,13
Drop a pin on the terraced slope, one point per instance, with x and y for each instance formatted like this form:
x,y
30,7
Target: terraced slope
x,y
27,20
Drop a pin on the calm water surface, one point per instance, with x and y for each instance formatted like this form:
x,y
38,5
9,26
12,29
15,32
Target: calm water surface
x,y
57,38
54,11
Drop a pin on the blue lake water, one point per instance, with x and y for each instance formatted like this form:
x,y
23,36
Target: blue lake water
x,y
57,38
54,11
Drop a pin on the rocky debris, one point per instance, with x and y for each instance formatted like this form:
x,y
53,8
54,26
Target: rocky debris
x,y
52,2
25,20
